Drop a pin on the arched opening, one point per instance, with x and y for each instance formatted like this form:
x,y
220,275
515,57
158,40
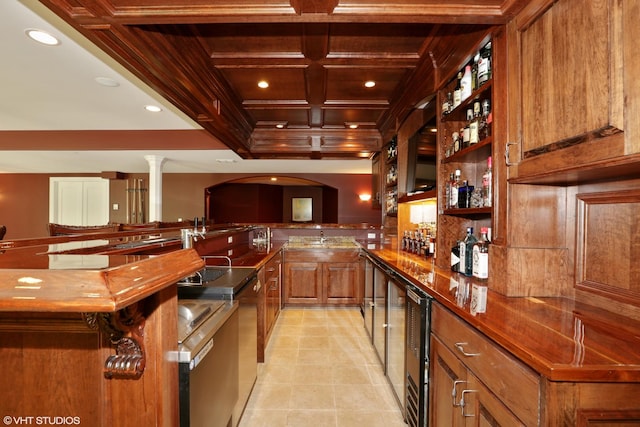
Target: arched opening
x,y
271,199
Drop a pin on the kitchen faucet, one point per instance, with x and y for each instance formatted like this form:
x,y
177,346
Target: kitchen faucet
x,y
322,238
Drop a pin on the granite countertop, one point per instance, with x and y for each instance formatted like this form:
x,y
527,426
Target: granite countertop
x,y
560,338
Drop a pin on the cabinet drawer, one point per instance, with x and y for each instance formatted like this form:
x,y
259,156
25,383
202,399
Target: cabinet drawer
x,y
272,268
515,384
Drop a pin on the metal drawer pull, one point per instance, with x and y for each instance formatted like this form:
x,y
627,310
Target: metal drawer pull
x,y
460,347
463,403
454,392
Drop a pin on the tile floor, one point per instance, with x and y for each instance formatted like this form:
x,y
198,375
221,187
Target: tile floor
x,y
321,370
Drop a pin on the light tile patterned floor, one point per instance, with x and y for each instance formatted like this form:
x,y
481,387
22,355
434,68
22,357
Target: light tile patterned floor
x,y
321,370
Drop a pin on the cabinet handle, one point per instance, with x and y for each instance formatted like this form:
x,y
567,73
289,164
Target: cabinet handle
x,y
463,403
460,347
271,270
506,154
454,392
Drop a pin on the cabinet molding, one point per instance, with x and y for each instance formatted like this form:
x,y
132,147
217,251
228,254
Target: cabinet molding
x,y
606,251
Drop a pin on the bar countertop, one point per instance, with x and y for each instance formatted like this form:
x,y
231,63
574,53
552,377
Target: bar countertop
x,y
559,338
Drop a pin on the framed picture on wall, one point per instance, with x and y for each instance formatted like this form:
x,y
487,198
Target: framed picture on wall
x,y
301,209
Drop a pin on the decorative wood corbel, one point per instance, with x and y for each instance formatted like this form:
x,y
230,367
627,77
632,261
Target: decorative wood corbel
x,y
125,330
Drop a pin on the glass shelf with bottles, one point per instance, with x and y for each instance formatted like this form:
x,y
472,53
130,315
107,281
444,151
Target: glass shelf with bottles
x,y
464,199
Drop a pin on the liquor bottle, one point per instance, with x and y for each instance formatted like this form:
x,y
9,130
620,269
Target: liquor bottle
x,y
447,192
457,144
457,100
474,125
466,253
465,84
466,133
446,104
454,190
474,72
484,129
464,195
487,185
481,256
484,65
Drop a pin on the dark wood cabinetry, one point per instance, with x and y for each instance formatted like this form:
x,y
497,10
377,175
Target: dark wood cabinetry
x,y
270,276
320,277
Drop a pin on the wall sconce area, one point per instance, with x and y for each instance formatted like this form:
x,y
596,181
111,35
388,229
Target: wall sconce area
x,y
364,197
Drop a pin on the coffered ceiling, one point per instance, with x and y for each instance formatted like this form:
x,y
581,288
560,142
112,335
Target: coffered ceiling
x,y
207,59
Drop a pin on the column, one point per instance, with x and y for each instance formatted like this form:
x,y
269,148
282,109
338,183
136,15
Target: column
x,y
155,186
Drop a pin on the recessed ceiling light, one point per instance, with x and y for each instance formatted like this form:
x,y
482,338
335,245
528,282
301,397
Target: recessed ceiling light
x,y
153,108
369,83
273,178
42,37
263,84
107,81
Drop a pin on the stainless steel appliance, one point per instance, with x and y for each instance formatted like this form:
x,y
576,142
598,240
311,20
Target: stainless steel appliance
x,y
208,362
240,285
417,356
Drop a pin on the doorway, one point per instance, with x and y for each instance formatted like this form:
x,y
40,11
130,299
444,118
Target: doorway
x,y
78,201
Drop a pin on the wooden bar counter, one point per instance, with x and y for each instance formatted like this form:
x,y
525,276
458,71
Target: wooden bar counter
x,y
89,336
545,361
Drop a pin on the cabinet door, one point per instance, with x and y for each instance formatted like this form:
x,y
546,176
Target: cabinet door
x,y
340,282
483,408
574,59
303,282
448,380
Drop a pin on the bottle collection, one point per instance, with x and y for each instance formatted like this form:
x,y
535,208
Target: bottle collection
x,y
473,76
460,194
421,241
477,127
470,256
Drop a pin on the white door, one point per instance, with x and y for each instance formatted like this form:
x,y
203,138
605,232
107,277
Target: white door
x,y
78,201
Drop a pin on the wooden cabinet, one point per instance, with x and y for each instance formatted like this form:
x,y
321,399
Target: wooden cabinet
x,y
578,99
322,276
271,300
474,379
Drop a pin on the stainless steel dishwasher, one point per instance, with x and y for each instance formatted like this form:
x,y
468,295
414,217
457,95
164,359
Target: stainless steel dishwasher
x,y
240,285
208,362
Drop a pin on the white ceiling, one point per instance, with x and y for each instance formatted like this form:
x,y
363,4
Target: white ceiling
x,y
54,88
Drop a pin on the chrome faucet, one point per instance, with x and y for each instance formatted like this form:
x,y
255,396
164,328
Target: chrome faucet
x,y
322,238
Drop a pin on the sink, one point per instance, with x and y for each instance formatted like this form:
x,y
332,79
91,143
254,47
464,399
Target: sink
x,y
333,242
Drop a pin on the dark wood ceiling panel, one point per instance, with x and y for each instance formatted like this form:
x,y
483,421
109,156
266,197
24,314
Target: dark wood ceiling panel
x,y
346,85
207,57
362,117
285,84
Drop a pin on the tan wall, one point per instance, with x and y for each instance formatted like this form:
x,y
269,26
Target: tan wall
x,y
24,198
